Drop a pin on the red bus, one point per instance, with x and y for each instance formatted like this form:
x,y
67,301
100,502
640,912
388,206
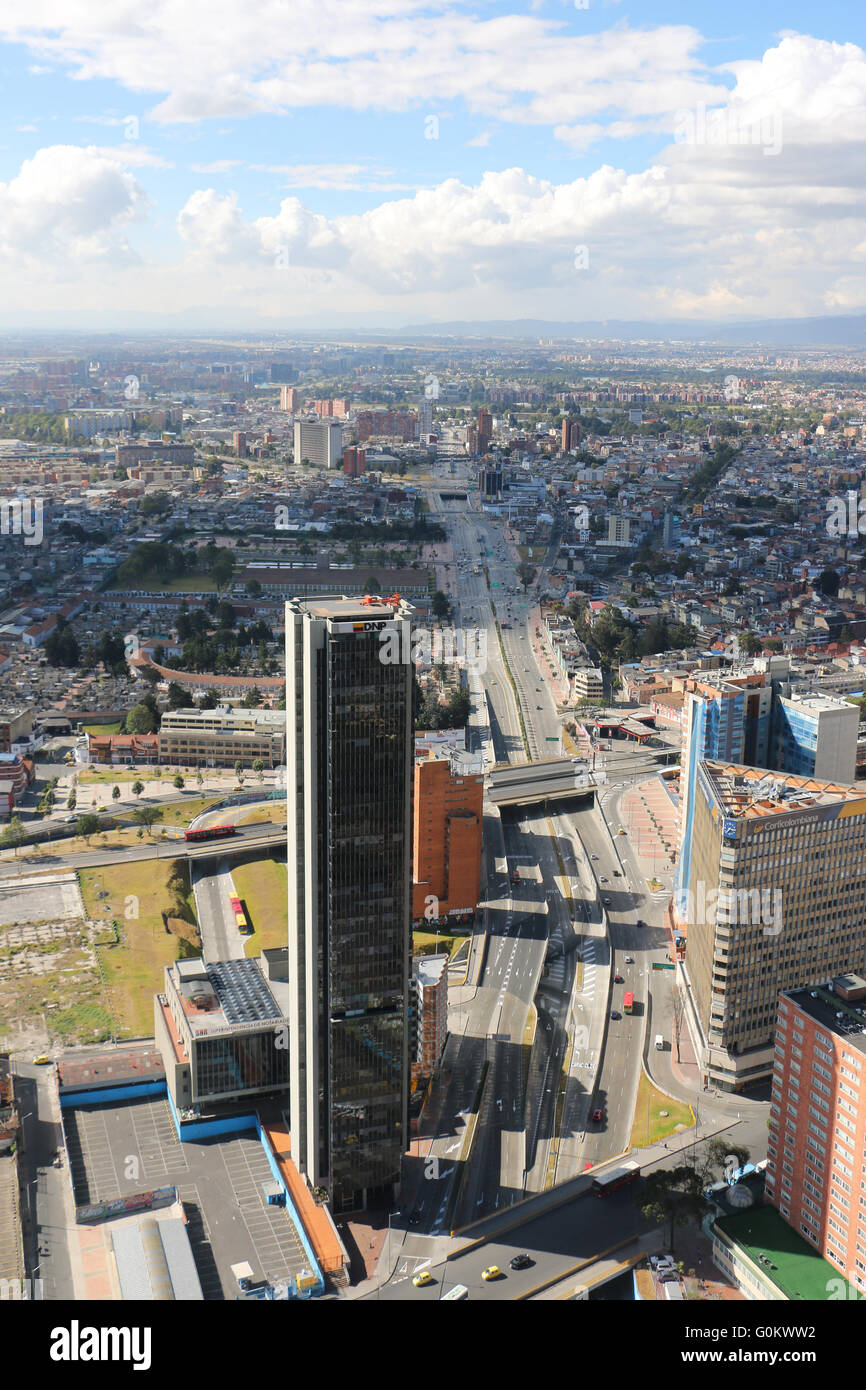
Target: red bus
x,y
618,1177
628,1002
210,832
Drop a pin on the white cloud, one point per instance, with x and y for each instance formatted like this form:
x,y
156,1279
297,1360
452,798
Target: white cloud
x,y
216,166
402,55
68,205
480,140
355,177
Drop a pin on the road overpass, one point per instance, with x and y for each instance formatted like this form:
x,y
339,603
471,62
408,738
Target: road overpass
x,y
525,784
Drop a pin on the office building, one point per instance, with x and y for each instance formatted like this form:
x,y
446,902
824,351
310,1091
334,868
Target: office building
x,y
570,435
490,482
816,736
726,719
222,737
239,443
776,900
290,398
222,1032
319,442
349,830
815,1174
446,844
386,424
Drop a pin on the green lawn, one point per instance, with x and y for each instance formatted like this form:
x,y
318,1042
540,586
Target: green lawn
x,y
99,729
649,1124
263,886
426,943
137,895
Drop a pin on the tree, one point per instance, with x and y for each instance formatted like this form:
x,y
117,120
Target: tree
x,y
13,834
223,568
115,793
749,643
177,696
441,606
147,816
137,788
258,768
140,720
526,574
372,585
87,825
177,781
71,800
254,588
828,583
675,1195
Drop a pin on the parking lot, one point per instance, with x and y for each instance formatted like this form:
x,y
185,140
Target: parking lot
x,y
116,1150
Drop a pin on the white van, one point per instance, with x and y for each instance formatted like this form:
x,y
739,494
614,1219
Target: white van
x,y
660,1043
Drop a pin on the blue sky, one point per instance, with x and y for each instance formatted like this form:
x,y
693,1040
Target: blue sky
x,y
412,161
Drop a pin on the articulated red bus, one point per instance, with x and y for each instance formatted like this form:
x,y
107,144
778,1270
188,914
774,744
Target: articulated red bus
x,y
210,832
628,1002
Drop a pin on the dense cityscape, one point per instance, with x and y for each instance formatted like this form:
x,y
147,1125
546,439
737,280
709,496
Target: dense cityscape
x,y
432,738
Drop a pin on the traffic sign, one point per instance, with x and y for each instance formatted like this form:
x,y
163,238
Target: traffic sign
x,y
663,965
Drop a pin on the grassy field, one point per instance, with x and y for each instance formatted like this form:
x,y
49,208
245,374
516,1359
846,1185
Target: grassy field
x,y
109,776
98,729
427,943
275,812
263,886
649,1124
133,969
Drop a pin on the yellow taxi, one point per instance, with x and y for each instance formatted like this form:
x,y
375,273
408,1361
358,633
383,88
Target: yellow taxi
x,y
420,1280
41,1061
491,1272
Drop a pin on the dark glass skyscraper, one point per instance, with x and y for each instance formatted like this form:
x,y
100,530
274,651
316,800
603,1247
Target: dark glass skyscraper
x,y
349,826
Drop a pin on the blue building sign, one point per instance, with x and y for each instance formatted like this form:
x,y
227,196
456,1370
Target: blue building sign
x,y
729,829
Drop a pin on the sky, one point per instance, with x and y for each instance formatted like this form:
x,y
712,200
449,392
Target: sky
x,y
383,162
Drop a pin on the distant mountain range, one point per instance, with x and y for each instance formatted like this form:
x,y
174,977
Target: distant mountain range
x,y
827,331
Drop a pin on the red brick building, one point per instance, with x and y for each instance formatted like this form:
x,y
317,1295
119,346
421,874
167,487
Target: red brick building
x,y
446,846
816,1174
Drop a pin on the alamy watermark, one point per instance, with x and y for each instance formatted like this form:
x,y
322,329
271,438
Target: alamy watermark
x,y
445,646
846,516
22,516
736,906
698,126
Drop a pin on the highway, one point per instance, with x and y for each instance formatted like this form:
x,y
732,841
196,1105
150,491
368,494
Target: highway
x,y
248,837
543,937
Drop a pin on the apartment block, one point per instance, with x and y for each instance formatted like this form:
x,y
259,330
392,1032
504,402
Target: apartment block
x,y
776,901
816,736
446,837
816,1175
430,1014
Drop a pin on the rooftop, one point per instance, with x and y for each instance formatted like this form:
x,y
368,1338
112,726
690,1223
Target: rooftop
x,y
801,1273
224,994
847,1021
753,792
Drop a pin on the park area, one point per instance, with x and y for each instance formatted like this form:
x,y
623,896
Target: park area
x,y
262,884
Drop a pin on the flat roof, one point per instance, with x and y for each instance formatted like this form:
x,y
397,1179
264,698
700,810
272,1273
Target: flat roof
x,y
801,1273
753,792
346,609
846,1021
222,993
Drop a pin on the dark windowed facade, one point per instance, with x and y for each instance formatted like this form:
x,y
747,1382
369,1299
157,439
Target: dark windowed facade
x,y
352,801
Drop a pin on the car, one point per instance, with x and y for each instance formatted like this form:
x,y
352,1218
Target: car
x,y
640,922
617,873
41,1061
597,1115
606,902
617,979
629,960
422,1279
594,856
521,1261
415,1219
615,1014
492,1272
621,831
538,706
602,879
